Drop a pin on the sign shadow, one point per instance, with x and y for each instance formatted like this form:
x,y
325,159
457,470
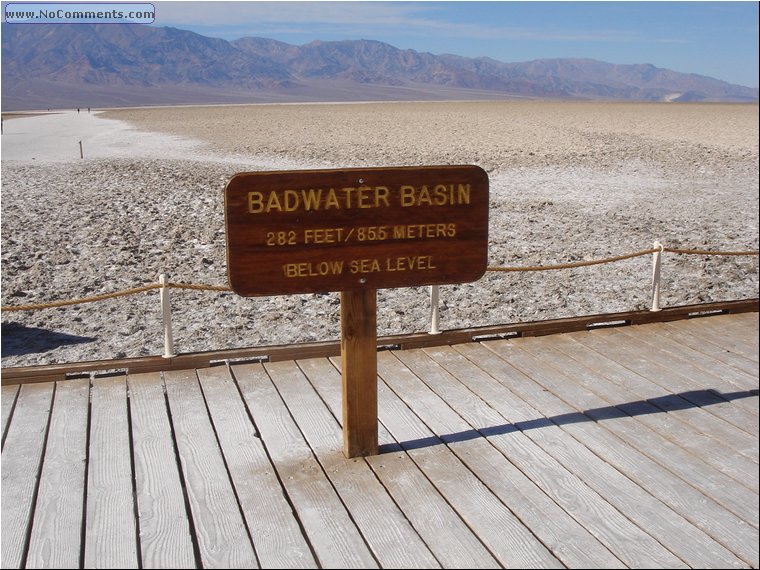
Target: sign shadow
x,y
17,339
658,405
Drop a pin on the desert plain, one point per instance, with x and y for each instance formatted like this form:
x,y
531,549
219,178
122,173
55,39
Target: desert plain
x,y
569,181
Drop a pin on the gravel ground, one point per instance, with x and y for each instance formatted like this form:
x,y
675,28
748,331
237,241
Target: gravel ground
x,y
568,181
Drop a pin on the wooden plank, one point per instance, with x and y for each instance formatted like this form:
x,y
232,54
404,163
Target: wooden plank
x,y
690,384
750,321
26,374
394,542
565,536
656,518
585,502
690,362
333,536
709,449
220,531
742,340
56,538
8,401
273,526
710,480
358,349
693,340
445,534
601,438
742,322
736,410
486,515
727,417
508,540
324,374
450,540
165,535
21,460
715,406
731,385
31,375
111,528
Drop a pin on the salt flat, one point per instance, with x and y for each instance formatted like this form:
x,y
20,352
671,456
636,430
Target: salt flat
x,y
496,135
569,181
55,137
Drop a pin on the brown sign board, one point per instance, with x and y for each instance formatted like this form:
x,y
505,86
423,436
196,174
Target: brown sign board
x,y
315,231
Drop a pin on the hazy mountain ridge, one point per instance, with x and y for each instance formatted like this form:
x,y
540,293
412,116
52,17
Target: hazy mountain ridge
x,y
122,65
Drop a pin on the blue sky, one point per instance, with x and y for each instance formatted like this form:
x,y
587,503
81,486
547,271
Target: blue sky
x,y
717,39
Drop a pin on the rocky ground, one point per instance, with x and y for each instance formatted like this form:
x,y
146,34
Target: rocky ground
x,y
568,181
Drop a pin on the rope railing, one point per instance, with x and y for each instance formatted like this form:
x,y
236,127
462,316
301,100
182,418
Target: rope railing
x,y
123,293
81,300
707,252
575,263
618,258
165,286
219,288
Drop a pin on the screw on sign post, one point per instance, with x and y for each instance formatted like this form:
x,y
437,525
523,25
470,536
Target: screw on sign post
x,y
356,231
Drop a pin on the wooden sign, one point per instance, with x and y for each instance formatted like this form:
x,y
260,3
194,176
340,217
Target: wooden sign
x,y
355,229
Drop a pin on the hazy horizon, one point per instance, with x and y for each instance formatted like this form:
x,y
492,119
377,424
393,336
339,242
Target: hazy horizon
x,y
714,39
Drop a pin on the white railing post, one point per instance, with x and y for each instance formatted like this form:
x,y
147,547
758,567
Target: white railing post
x,y
434,314
656,263
166,315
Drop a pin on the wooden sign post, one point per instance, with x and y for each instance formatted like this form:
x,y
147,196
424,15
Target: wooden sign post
x,y
355,231
358,353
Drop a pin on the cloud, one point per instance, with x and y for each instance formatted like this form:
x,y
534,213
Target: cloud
x,y
320,19
312,13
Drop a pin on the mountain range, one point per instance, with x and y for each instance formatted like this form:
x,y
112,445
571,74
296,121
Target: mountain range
x,y
116,65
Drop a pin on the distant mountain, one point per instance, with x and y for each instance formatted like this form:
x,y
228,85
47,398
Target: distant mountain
x,y
46,66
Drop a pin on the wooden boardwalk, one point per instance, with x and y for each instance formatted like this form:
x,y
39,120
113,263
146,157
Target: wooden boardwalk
x,y
634,446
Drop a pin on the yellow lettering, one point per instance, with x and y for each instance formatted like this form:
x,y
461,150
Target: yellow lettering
x,y
311,198
349,192
255,202
273,203
464,194
332,200
292,201
364,265
430,231
416,263
423,199
323,235
406,196
364,197
324,199
309,269
440,195
425,262
381,196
